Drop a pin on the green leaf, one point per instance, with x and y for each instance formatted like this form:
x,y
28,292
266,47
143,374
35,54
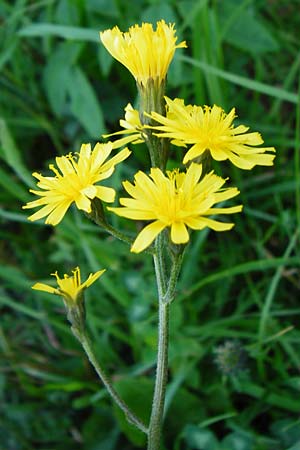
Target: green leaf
x,y
12,155
11,186
57,74
84,103
8,52
17,306
185,408
288,431
251,266
99,431
105,60
293,382
245,82
282,400
137,393
295,447
243,30
200,438
237,441
100,6
63,31
159,11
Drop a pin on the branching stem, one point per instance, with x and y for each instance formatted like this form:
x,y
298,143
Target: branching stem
x,y
166,293
131,417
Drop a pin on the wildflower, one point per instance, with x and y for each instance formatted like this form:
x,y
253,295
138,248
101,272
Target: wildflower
x,y
75,181
132,127
69,287
71,290
210,128
178,200
144,52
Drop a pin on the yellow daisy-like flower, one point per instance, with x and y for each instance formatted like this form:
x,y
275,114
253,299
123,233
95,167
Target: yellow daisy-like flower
x,y
132,128
75,181
210,128
146,53
69,287
178,200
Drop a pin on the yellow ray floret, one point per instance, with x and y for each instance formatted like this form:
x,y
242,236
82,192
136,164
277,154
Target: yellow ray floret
x,y
69,287
133,129
176,200
75,181
210,128
145,52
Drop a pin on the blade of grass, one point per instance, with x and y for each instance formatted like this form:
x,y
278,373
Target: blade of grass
x,y
251,266
17,306
63,31
177,381
235,14
289,81
268,303
279,400
243,81
10,185
217,419
11,154
297,157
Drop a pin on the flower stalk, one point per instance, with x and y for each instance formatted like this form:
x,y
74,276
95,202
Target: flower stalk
x,y
97,215
86,345
166,287
156,419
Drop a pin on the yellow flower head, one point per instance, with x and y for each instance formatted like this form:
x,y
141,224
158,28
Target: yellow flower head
x,y
132,128
69,287
178,200
210,128
75,181
146,53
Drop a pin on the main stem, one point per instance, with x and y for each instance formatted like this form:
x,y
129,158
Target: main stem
x,y
155,426
156,419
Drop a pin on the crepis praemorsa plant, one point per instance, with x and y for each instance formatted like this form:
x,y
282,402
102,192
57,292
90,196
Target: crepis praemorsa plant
x,y
172,204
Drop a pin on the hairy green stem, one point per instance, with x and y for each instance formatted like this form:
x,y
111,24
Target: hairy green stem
x,y
116,233
122,237
160,264
166,292
131,417
97,215
169,295
155,426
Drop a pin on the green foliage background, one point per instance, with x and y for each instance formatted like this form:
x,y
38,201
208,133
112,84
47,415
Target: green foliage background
x,y
58,88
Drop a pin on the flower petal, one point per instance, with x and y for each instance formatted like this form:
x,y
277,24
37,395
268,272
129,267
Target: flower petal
x,y
92,278
45,288
231,210
133,214
58,213
83,203
89,191
107,194
45,211
179,233
215,225
147,236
